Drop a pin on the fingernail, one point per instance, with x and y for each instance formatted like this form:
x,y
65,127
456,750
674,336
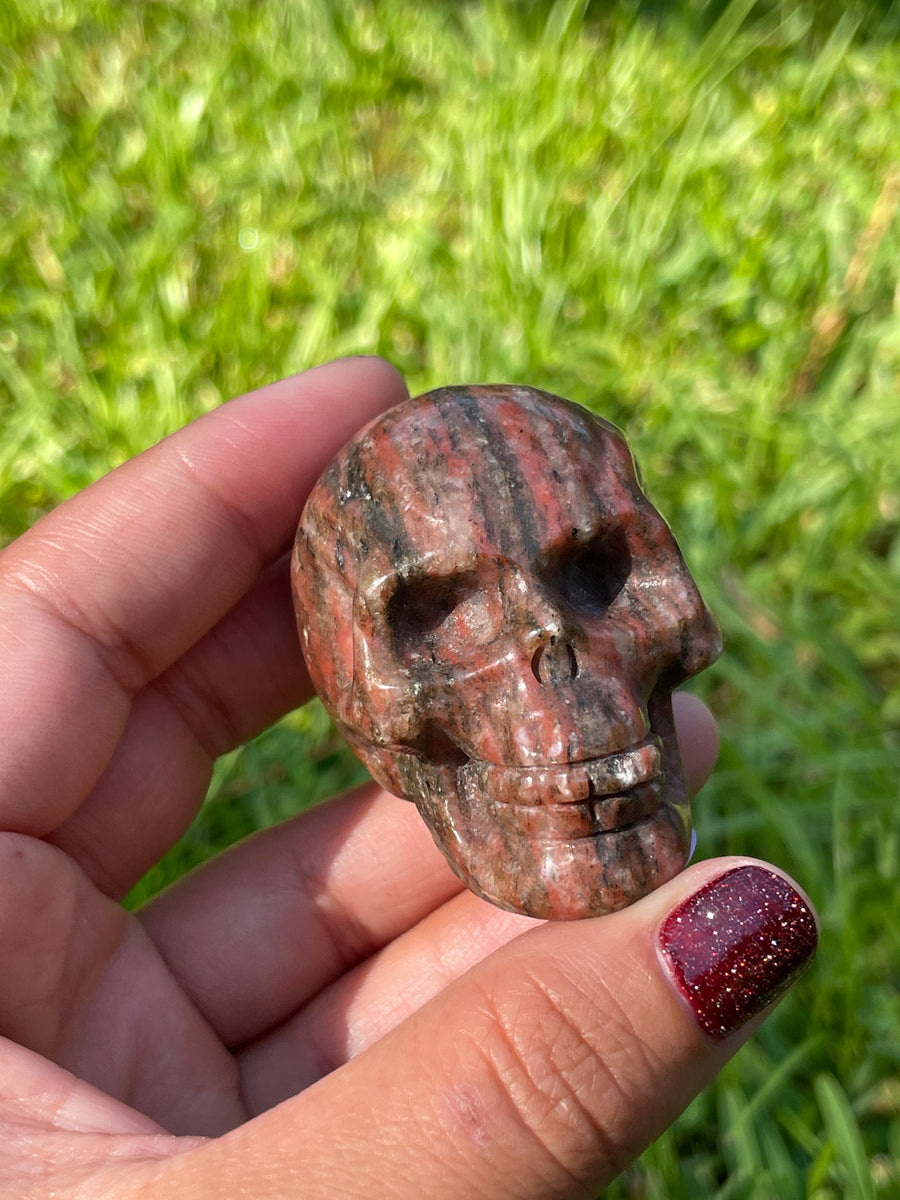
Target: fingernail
x,y
736,945
693,849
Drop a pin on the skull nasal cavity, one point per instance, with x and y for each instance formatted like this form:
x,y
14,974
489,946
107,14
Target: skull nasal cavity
x,y
555,663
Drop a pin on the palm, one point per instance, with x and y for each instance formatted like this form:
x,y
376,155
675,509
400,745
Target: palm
x,y
233,990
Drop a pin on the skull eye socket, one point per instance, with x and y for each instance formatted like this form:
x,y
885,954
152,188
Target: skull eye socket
x,y
419,607
591,576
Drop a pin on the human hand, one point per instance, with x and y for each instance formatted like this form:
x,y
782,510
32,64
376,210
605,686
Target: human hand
x,y
321,1010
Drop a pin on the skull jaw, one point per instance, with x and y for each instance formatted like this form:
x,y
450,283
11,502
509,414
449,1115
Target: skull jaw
x,y
562,878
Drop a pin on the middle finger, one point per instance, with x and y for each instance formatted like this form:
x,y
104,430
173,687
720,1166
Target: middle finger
x,y
258,931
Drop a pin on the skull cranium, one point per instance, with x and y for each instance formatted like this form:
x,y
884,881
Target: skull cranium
x,y
495,616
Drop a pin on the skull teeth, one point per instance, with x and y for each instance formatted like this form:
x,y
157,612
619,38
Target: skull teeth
x,y
621,772
565,783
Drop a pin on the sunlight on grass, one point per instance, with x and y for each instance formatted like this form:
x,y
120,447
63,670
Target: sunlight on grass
x,y
683,217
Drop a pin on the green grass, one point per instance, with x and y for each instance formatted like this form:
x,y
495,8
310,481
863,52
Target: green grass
x,y
682,216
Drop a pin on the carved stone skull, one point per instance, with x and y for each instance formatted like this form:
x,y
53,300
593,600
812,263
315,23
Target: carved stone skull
x,y
495,616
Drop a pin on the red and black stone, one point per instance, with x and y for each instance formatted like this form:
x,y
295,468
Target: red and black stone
x,y
495,616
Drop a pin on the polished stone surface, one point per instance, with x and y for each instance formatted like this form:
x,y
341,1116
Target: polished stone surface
x,y
495,616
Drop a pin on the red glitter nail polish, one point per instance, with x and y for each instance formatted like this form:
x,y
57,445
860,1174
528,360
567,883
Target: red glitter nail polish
x,y
736,945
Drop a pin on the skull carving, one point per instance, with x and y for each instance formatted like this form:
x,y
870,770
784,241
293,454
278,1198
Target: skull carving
x,y
495,616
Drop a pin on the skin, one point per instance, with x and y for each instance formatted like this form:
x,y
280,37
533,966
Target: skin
x,y
320,1011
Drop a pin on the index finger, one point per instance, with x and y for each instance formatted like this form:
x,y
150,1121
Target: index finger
x,y
110,589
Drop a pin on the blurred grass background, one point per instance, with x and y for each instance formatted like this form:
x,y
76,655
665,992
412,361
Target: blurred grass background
x,y
683,216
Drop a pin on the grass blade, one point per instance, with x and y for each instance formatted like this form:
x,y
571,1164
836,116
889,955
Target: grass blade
x,y
846,1140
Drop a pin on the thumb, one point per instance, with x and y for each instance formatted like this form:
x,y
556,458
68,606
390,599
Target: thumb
x,y
545,1069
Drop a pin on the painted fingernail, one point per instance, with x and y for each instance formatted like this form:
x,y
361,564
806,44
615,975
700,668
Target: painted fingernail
x,y
736,945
